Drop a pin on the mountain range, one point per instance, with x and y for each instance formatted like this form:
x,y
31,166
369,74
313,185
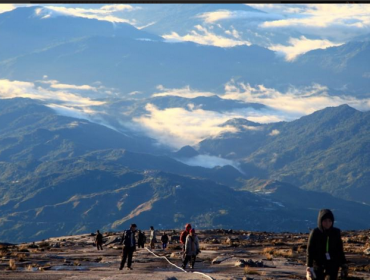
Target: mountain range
x,y
51,184
121,57
76,157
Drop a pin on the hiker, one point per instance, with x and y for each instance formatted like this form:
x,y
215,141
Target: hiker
x,y
191,249
184,234
164,240
141,239
325,249
153,238
129,246
99,240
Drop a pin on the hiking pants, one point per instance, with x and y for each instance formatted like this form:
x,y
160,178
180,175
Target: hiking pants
x,y
127,253
99,245
330,273
191,259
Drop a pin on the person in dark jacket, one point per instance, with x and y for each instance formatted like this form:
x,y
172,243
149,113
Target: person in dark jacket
x,y
325,249
164,239
129,247
99,240
141,239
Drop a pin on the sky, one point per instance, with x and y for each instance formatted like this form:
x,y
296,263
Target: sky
x,y
311,27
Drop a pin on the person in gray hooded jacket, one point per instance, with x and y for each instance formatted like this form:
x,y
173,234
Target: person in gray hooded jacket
x,y
325,249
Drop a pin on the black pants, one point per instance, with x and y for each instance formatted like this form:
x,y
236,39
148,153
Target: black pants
x,y
191,259
328,273
140,245
127,253
99,246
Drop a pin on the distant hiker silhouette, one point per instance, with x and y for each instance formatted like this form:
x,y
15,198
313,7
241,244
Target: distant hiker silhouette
x,y
129,246
191,249
325,250
153,238
99,240
184,234
164,239
141,239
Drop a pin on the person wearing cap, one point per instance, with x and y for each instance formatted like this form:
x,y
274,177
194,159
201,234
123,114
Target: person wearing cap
x,y
129,246
184,234
191,249
325,249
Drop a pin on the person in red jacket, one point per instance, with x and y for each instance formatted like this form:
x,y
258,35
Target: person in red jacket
x,y
184,234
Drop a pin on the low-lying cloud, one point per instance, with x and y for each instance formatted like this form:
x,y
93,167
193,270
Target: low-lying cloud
x,y
295,102
185,92
298,46
340,22
208,161
212,17
205,36
106,13
178,127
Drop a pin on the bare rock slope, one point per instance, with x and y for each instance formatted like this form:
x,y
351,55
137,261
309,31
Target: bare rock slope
x,y
225,255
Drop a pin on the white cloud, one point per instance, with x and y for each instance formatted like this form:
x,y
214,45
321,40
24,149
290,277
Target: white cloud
x,y
295,102
7,7
78,113
301,46
104,13
185,92
208,161
118,7
178,127
204,36
212,17
274,132
336,21
67,86
12,89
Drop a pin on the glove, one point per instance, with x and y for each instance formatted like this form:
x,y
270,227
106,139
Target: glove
x,y
344,272
310,273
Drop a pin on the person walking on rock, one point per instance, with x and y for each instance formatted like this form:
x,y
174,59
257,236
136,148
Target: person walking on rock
x,y
153,238
141,239
325,250
129,247
191,249
183,236
164,240
99,240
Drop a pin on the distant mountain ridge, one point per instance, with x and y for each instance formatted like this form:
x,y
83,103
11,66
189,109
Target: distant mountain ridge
x,y
116,57
322,151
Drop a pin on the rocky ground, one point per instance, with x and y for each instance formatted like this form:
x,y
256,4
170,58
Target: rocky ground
x,y
226,255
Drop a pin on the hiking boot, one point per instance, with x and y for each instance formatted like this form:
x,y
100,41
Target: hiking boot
x,y
129,268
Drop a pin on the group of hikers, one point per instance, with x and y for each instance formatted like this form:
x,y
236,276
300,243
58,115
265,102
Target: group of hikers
x,y
325,254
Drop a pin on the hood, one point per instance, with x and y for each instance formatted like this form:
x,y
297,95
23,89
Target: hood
x,y
323,214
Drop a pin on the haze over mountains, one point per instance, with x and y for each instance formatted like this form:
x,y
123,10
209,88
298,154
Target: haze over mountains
x,y
102,124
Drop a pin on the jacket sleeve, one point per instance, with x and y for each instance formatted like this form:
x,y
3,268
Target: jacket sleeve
x,y
187,245
122,238
197,244
342,258
310,249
